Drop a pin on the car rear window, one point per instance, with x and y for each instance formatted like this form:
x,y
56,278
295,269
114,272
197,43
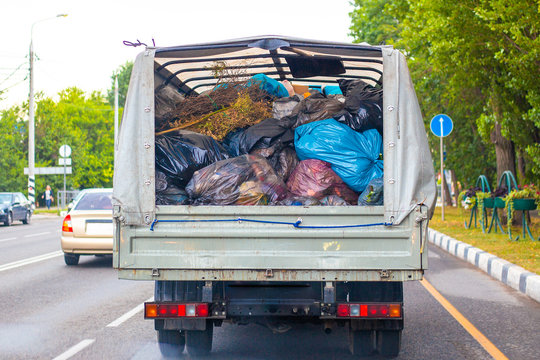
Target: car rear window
x,y
95,201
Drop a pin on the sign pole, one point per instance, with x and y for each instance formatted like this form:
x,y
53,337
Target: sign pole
x,y
441,125
64,195
442,172
65,152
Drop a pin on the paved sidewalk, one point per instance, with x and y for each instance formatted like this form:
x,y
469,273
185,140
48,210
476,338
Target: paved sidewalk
x,y
510,274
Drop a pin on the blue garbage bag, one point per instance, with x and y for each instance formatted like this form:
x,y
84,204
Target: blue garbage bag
x,y
354,156
373,194
271,86
266,83
332,90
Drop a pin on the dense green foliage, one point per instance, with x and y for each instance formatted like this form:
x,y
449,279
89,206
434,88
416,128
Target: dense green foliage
x,y
476,60
84,122
124,74
14,149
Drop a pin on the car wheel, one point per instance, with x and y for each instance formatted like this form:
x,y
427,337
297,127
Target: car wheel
x,y
171,343
9,219
199,342
26,219
71,259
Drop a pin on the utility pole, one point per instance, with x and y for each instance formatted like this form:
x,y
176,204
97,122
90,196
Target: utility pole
x,y
31,125
115,111
31,136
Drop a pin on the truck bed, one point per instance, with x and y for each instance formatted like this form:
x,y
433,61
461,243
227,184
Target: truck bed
x,y
210,243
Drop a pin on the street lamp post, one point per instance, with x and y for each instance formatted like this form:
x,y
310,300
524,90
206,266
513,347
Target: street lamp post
x,y
31,126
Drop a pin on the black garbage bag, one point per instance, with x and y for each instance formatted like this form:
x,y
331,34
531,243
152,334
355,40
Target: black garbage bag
x,y
363,106
373,194
284,106
315,107
172,196
161,181
243,180
181,153
259,136
166,98
284,162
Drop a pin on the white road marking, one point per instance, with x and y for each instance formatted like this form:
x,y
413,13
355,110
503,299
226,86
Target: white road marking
x,y
75,349
38,234
8,239
31,260
129,314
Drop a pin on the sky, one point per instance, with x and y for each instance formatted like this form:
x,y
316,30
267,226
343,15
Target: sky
x,y
84,48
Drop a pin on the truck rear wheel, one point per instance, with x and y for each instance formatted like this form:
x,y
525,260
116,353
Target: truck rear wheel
x,y
199,342
389,343
361,342
171,343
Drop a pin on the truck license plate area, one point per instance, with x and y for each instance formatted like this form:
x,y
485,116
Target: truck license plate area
x,y
274,308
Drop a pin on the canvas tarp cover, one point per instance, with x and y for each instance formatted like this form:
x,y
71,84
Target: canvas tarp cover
x,y
408,168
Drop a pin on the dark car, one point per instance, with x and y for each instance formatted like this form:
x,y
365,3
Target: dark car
x,y
14,206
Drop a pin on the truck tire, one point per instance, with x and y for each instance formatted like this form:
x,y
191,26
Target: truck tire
x,y
361,342
199,342
171,343
71,259
389,343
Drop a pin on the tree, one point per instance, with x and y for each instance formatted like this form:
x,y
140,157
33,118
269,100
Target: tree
x,y
13,148
375,21
86,124
124,74
478,61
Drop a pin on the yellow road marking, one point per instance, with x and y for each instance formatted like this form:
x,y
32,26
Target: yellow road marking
x,y
467,325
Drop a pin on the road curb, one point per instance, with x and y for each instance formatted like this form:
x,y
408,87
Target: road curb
x,y
510,274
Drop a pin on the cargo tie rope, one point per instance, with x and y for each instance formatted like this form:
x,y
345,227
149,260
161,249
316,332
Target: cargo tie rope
x,y
296,224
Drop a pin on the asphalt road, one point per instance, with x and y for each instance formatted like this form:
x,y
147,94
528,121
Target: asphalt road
x,y
50,310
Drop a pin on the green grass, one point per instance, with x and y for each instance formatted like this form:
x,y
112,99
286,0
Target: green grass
x,y
53,211
524,252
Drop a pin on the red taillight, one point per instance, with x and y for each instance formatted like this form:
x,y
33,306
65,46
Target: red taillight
x,y
66,225
202,310
168,310
379,311
343,310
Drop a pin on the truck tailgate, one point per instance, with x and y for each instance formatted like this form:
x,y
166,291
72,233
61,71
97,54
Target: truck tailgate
x,y
210,243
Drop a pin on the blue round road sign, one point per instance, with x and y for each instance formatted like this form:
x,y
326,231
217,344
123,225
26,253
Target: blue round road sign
x,y
441,125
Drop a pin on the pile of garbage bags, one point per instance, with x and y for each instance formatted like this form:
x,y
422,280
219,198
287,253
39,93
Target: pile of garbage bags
x,y
321,147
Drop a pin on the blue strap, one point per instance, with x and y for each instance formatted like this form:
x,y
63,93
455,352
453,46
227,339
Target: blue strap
x,y
295,224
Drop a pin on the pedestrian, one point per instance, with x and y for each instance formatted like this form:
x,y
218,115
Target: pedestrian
x,y
47,195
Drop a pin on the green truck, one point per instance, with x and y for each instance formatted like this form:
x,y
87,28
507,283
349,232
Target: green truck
x,y
274,265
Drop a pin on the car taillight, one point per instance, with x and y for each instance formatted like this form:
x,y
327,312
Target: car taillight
x,y
378,311
172,310
66,225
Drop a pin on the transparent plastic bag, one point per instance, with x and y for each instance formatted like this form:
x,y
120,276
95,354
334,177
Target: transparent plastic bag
x,y
315,178
333,200
293,200
243,180
373,194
